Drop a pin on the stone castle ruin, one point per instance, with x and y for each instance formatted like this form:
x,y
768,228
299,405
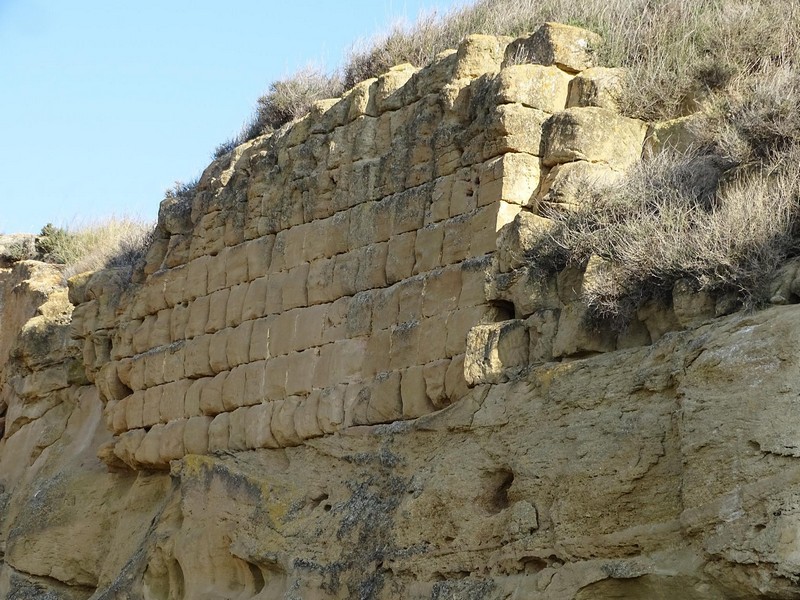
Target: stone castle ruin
x,y
337,374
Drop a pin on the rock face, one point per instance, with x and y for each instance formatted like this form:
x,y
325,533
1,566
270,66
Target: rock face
x,y
338,376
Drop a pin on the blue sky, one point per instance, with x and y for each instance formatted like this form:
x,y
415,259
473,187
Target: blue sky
x,y
104,104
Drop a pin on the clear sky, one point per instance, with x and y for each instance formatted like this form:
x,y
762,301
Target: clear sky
x,y
104,104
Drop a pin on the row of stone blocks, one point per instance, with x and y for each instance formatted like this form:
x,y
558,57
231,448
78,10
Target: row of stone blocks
x,y
193,420
402,238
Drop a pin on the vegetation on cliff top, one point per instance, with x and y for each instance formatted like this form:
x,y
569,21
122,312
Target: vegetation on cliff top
x,y
112,243
733,63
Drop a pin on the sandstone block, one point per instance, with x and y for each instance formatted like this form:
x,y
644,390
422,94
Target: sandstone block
x,y
283,429
388,94
148,454
191,404
597,86
217,353
658,318
513,128
127,445
473,282
517,239
211,395
197,353
335,327
409,299
237,429
359,315
494,351
174,286
236,271
151,408
235,306
385,402
542,328
300,371
569,48
347,359
593,134
173,401
196,278
428,248
413,393
678,135
463,196
116,419
376,359
275,377
479,54
259,339
439,208
485,224
513,177
306,423
385,307
259,255
372,267
179,318
459,323
219,433
455,383
400,257
217,276
568,183
255,300
408,209
217,310
198,317
237,348
404,345
320,281
435,374
258,427
574,336
442,288
330,408
458,234
534,86
255,383
171,446
433,333
282,332
309,326
233,388
362,99
345,274
195,435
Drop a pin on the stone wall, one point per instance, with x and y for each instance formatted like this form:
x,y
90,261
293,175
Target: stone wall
x,y
352,300
328,275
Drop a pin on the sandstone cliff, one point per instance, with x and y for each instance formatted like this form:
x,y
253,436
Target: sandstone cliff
x,y
338,376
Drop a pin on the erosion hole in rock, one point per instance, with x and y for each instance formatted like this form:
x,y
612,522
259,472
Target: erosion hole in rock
x,y
503,310
496,486
258,577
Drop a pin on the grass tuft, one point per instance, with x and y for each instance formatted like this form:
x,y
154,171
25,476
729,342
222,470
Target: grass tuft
x,y
113,243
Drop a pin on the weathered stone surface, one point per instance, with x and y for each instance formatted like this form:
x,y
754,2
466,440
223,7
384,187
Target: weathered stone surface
x,y
597,86
569,48
593,134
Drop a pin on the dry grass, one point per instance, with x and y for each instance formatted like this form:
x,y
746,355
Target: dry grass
x,y
655,228
115,242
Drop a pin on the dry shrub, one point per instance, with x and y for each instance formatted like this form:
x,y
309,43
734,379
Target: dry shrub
x,y
678,52
115,242
653,229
